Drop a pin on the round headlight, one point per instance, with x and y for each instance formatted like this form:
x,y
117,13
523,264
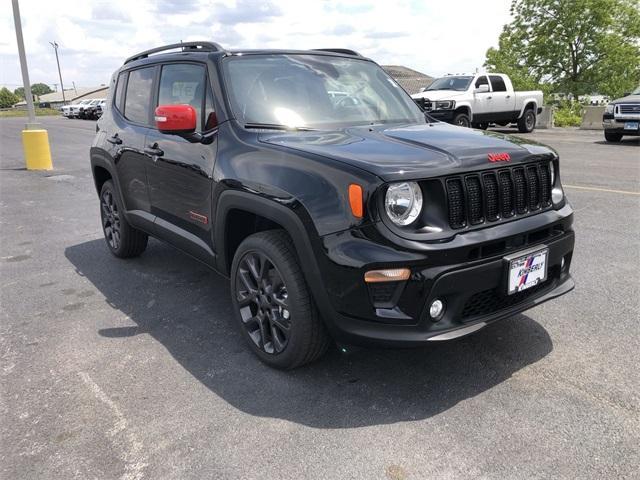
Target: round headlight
x,y
403,202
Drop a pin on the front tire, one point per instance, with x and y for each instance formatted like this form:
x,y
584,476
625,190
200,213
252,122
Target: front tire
x,y
462,120
272,302
612,136
527,122
123,240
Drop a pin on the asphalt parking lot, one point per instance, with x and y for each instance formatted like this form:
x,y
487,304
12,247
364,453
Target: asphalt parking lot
x,y
133,369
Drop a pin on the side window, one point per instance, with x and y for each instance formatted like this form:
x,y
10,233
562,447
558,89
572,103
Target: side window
x,y
183,84
210,118
119,95
482,81
497,83
138,98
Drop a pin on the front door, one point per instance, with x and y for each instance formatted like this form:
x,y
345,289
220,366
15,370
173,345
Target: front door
x,y
181,169
483,101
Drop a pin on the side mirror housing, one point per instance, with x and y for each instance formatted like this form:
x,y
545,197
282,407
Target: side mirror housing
x,y
176,118
482,89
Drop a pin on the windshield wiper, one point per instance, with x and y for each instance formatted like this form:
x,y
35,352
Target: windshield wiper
x,y
276,126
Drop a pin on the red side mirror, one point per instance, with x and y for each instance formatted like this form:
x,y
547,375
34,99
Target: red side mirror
x,y
176,118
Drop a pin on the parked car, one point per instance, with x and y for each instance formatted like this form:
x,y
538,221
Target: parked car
x,y
71,111
86,111
622,117
350,217
480,99
89,110
100,109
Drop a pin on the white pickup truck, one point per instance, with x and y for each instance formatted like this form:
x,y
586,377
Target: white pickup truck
x,y
480,99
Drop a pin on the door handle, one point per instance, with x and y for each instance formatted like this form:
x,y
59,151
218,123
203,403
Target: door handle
x,y
489,98
115,139
508,96
154,151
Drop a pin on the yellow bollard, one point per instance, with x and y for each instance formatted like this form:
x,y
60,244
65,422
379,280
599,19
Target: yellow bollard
x,y
37,154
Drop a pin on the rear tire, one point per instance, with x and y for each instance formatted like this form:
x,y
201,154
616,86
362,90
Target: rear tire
x,y
612,136
527,122
481,126
272,302
462,120
123,240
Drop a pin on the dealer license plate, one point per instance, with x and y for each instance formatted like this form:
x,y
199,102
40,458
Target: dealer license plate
x,y
631,125
527,269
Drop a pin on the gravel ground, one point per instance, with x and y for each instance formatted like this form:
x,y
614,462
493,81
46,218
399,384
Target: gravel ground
x,y
133,369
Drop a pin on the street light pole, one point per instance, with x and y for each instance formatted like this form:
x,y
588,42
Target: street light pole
x,y
35,139
23,65
54,44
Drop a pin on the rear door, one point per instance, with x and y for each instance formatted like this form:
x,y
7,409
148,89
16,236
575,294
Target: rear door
x,y
503,101
181,168
131,119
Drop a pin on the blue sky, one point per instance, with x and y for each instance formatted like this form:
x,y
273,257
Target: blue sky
x,y
435,37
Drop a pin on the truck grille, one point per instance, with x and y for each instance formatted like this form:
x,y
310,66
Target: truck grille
x,y
478,198
629,108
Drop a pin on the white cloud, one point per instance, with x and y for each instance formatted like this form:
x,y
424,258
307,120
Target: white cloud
x,y
95,36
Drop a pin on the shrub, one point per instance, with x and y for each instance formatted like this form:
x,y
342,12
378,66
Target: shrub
x,y
568,114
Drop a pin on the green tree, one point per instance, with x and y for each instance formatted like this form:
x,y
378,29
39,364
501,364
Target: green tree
x,y
7,98
40,89
19,92
577,46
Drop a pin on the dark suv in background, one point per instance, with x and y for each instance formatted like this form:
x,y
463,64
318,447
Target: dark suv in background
x,y
337,208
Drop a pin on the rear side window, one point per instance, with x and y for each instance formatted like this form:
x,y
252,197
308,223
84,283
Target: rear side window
x,y
497,83
183,84
138,99
119,95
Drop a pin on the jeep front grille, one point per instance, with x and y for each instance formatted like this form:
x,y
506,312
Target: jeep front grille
x,y
478,198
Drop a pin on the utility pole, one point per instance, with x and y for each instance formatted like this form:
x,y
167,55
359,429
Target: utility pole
x,y
54,44
35,140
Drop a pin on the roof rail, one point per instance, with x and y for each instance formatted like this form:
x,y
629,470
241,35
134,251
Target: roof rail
x,y
344,51
185,46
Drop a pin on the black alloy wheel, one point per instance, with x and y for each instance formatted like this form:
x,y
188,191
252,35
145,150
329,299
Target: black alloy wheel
x,y
123,240
527,122
462,120
263,302
110,219
272,303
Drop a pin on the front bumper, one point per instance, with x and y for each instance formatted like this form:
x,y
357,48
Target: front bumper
x,y
442,115
473,290
616,125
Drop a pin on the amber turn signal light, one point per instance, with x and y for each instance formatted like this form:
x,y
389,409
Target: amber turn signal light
x,y
388,275
355,200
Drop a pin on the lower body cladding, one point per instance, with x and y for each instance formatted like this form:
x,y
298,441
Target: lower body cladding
x,y
468,281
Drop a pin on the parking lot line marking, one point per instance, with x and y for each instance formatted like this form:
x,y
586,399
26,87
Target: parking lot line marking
x,y
596,189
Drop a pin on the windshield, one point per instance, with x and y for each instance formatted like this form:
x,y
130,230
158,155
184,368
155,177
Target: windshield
x,y
315,91
459,84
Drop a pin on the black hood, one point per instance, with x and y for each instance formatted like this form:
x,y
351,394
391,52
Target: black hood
x,y
411,151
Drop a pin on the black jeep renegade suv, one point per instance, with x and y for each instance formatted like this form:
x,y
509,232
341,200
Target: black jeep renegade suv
x,y
337,208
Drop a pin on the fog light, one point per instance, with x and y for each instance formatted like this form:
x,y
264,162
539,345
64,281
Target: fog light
x,y
436,309
557,195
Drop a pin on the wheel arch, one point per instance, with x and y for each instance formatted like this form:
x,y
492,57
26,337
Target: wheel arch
x,y
529,104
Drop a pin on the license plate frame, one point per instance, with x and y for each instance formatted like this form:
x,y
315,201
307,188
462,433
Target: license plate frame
x,y
631,125
526,269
